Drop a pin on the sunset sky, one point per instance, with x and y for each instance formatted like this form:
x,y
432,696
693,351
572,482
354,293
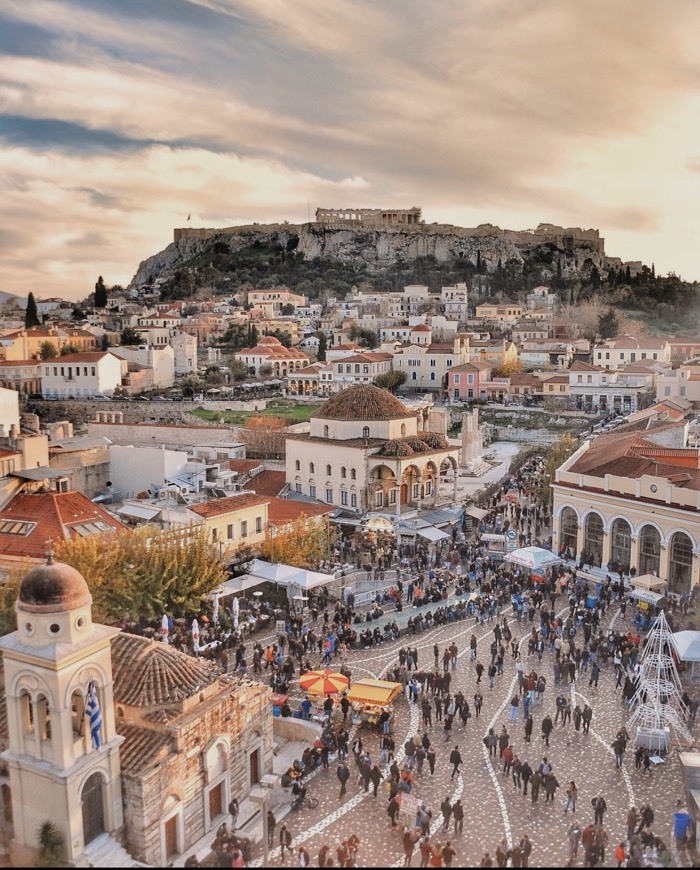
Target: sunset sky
x,y
118,119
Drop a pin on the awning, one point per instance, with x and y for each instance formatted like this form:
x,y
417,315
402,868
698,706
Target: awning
x,y
646,595
139,512
648,581
477,513
432,534
687,644
239,584
41,472
368,691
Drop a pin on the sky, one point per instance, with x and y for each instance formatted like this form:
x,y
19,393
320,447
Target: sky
x,y
120,119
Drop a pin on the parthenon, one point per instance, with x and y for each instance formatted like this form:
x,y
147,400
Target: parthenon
x,y
376,217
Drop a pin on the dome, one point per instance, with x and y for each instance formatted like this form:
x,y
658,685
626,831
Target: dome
x,y
269,340
364,402
418,446
53,588
396,448
435,441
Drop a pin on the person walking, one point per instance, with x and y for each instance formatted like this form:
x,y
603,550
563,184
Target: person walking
x,y
571,795
455,761
528,728
446,810
430,757
536,782
632,821
599,807
458,815
514,704
478,702
550,786
285,840
574,834
525,775
375,777
547,728
586,717
271,822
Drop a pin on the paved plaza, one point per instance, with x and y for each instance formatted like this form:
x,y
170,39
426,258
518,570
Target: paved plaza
x,y
494,808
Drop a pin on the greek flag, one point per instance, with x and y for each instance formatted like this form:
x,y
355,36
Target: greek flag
x,y
92,711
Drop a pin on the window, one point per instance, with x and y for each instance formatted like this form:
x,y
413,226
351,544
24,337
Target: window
x,y
428,487
329,496
297,465
456,379
365,370
579,379
258,525
229,531
311,468
667,391
392,496
328,471
343,497
449,363
432,363
414,376
378,498
244,528
353,474
297,487
91,528
325,431
607,356
353,499
93,370
365,431
470,379
13,527
312,490
214,535
432,376
622,354
63,370
654,356
589,379
343,472
416,490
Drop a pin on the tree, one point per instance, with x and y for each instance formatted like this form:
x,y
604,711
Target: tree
x,y
69,348
130,336
608,324
253,336
264,437
140,574
282,337
509,368
100,293
303,543
48,350
77,314
31,315
238,369
213,375
287,310
322,346
391,380
557,456
104,342
191,384
265,370
50,845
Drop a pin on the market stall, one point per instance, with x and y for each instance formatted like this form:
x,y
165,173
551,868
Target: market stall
x,y
648,604
370,698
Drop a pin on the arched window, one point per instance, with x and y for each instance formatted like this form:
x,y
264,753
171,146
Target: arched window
x,y
325,431
403,428
365,432
568,531
621,544
27,711
343,472
593,538
680,564
353,474
649,551
43,717
328,471
77,704
297,465
311,468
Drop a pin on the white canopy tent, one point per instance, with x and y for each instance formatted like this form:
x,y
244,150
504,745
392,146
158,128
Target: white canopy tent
x,y
533,557
687,647
648,581
433,534
646,595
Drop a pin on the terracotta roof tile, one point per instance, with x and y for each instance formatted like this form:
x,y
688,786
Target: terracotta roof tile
x,y
148,673
219,506
55,515
243,466
268,483
141,747
281,510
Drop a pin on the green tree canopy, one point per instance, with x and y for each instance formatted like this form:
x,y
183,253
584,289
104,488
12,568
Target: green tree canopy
x,y
143,573
48,350
69,348
391,380
130,336
322,346
31,315
608,324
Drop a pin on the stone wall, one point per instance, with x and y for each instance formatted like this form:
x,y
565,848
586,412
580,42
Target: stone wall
x,y
172,435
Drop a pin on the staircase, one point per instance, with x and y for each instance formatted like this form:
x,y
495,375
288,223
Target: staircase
x,y
105,851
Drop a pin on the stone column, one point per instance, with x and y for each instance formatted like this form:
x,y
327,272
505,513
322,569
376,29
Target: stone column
x,y
634,552
454,484
607,547
580,537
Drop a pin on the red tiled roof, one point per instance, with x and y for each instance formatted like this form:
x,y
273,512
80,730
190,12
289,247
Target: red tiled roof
x,y
94,356
579,366
219,506
281,511
243,466
421,327
12,363
268,483
54,514
141,747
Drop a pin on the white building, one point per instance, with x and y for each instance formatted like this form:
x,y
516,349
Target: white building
x,y
83,375
541,298
184,347
361,368
591,387
161,360
427,365
365,451
616,353
681,383
455,302
136,469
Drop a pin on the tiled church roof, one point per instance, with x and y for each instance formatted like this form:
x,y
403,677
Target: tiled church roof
x,y
363,402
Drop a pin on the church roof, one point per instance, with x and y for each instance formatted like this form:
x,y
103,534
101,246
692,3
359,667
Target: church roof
x,y
53,588
149,673
141,747
363,402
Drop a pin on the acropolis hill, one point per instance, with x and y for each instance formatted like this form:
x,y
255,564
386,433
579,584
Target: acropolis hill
x,y
381,237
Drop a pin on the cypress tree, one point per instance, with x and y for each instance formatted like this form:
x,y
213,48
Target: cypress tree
x,y
31,315
100,293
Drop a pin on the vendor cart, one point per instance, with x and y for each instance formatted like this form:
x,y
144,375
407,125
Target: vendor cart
x,y
370,698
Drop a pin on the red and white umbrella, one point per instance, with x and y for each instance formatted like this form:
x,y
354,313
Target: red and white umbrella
x,y
164,628
195,635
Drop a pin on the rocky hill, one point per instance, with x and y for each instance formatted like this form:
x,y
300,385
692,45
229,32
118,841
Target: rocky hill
x,y
567,253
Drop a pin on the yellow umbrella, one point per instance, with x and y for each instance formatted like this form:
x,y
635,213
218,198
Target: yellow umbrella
x,y
323,682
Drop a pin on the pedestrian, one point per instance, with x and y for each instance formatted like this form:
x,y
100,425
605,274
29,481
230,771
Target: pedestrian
x,y
586,717
304,857
486,860
514,704
503,853
446,810
525,774
550,786
455,761
536,782
525,850
632,820
638,756
595,674
571,795
574,833
478,702
376,777
547,728
458,815
234,810
271,822
620,854
599,807
410,838
528,728
285,839
430,756
392,811
647,762
426,850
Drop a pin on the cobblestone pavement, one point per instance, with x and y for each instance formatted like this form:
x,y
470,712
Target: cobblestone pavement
x,y
494,809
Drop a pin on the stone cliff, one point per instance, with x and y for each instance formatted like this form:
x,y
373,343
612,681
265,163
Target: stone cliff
x,y
572,250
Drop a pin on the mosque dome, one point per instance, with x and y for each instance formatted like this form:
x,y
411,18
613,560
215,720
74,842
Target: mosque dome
x,y
363,402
